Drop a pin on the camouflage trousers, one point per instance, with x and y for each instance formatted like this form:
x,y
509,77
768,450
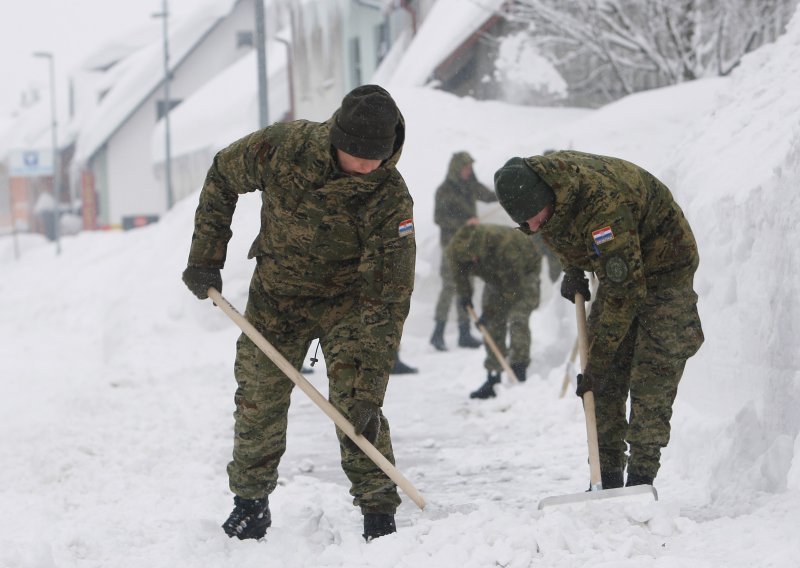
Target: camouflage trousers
x,y
648,365
509,315
447,295
263,394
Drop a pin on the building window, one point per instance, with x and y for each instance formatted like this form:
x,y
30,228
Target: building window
x,y
355,60
244,38
382,42
160,107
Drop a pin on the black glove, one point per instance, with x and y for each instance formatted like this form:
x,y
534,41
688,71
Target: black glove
x,y
481,321
465,302
586,383
366,417
575,283
199,280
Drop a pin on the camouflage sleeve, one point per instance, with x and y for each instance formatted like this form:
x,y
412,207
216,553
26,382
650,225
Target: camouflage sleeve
x,y
574,271
483,193
387,275
460,268
237,169
619,269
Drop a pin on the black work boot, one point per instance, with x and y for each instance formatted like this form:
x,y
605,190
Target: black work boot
x,y
611,479
377,525
520,370
636,479
250,518
465,339
401,368
437,339
486,390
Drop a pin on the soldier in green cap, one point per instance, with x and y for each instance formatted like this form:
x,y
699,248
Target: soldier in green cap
x,y
455,206
608,216
335,261
509,264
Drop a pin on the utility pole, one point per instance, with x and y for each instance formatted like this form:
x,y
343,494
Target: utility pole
x,y
54,141
164,15
261,62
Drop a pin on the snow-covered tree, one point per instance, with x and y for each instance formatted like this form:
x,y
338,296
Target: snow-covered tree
x,y
609,48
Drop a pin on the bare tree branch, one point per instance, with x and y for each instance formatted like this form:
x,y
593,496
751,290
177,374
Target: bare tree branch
x,y
621,46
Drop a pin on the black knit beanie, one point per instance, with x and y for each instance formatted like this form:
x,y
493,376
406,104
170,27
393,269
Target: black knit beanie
x,y
364,126
520,190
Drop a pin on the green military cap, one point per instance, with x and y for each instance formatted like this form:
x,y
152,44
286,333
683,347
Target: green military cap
x,y
365,125
521,191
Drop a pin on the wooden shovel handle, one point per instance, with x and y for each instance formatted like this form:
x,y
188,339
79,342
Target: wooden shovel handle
x,y
588,397
297,378
567,368
493,346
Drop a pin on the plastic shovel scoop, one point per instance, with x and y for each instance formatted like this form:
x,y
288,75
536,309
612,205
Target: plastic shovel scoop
x,y
596,491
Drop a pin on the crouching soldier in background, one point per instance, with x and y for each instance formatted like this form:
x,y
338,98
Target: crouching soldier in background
x,y
335,261
611,217
509,263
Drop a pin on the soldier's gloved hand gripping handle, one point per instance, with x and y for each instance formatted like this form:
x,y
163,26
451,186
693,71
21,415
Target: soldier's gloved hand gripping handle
x,y
573,283
366,417
199,280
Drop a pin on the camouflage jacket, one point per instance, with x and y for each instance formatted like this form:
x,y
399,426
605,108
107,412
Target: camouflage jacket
x,y
500,256
617,220
456,198
323,232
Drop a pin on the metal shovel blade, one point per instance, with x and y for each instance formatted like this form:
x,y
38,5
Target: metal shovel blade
x,y
597,495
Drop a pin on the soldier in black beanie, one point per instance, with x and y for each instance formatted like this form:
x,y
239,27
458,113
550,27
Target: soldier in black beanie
x,y
335,262
366,124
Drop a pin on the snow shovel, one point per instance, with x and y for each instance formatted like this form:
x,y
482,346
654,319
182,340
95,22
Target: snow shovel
x,y
568,370
596,488
297,378
568,374
493,346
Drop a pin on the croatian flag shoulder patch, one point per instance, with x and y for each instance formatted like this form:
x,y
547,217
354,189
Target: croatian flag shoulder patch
x,y
603,235
406,228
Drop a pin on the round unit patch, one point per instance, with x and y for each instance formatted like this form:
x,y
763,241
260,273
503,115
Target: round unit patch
x,y
616,269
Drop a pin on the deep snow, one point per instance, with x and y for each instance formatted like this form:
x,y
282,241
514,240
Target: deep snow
x,y
115,415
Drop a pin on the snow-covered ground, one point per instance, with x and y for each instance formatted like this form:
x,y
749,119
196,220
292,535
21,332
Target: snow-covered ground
x,y
117,387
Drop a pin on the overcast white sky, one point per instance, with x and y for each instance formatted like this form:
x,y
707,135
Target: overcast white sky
x,y
71,30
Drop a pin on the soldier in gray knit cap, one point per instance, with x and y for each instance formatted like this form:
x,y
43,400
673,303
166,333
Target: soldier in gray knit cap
x,y
335,261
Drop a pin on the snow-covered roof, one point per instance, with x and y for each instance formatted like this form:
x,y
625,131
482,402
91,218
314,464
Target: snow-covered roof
x,y
142,73
447,26
118,48
215,115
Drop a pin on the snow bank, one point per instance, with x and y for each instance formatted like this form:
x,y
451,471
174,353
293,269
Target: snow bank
x,y
117,391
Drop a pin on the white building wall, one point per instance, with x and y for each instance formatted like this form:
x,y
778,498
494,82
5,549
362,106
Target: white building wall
x,y
134,188
215,53
337,44
318,57
363,26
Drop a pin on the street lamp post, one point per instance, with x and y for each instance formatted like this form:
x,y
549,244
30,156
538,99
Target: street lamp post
x,y
164,15
261,62
54,133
